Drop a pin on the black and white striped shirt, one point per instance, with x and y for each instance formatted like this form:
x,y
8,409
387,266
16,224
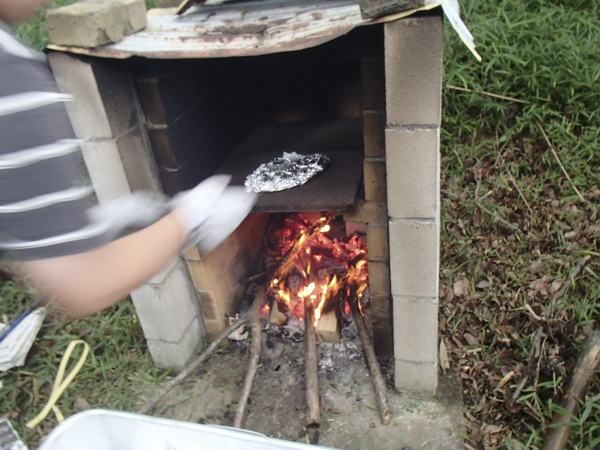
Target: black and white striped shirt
x,y
43,196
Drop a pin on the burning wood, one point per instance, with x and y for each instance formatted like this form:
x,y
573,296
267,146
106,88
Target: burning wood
x,y
328,327
313,256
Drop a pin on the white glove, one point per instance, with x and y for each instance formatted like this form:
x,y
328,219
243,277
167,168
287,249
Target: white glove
x,y
130,213
212,211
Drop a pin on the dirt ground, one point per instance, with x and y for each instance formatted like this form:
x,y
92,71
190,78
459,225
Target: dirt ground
x,y
349,416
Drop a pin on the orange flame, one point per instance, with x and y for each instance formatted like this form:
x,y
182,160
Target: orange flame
x,y
320,270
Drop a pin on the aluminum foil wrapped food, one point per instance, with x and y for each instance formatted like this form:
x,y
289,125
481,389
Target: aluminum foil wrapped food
x,y
285,172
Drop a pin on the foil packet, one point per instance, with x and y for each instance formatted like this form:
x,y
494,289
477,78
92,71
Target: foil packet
x,y
286,172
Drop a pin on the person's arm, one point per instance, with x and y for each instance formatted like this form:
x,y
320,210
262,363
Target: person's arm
x,y
81,284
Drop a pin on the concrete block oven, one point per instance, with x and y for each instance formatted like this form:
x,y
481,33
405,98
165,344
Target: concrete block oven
x,y
163,110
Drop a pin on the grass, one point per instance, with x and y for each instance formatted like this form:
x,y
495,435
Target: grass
x,y
116,375
513,229
511,216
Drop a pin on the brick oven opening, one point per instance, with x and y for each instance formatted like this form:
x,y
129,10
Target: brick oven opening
x,y
229,115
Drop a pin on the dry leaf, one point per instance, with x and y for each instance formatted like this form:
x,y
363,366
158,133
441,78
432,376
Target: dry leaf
x,y
477,218
461,287
535,266
571,235
471,340
556,285
444,360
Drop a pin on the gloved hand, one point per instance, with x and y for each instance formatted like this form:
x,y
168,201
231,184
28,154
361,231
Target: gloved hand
x,y
212,211
130,213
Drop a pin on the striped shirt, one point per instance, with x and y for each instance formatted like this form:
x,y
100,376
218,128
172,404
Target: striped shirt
x,y
43,196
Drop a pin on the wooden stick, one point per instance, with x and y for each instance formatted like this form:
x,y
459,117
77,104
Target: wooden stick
x,y
313,404
585,368
533,351
150,404
378,381
489,94
559,161
254,356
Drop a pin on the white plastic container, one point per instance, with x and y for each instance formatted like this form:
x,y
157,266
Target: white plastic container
x,y
113,430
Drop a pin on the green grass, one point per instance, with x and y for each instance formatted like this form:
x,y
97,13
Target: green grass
x,y
510,217
546,55
116,375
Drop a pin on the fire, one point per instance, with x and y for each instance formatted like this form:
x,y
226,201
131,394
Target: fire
x,y
323,269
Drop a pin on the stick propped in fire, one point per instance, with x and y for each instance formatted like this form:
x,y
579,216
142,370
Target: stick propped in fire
x,y
378,381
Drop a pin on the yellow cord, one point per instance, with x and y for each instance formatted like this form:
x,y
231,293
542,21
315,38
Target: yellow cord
x,y
59,384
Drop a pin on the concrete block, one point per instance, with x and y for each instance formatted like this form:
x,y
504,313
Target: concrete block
x,y
368,212
105,168
92,23
373,83
420,378
378,242
177,355
413,70
414,258
167,309
76,77
374,179
138,162
413,173
374,133
381,321
415,329
379,278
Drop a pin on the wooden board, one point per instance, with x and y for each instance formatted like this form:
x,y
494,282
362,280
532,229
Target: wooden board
x,y
334,189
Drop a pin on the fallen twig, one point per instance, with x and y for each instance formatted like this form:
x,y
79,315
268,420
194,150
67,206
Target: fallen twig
x,y
489,94
505,222
254,356
559,161
558,294
519,191
150,404
535,347
585,369
378,381
535,350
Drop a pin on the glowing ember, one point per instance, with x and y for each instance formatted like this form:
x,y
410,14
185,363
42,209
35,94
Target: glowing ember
x,y
330,266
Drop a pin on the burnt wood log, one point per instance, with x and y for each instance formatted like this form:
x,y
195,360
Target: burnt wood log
x,y
585,368
378,381
313,403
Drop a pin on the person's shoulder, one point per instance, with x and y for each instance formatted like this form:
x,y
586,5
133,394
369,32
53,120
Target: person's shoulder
x,y
13,48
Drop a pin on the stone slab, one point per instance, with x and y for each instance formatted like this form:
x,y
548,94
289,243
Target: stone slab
x,y
92,23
